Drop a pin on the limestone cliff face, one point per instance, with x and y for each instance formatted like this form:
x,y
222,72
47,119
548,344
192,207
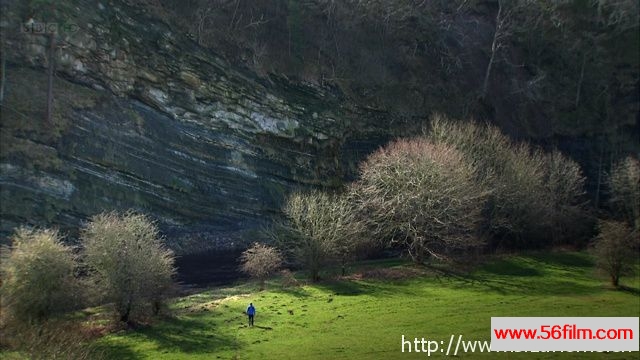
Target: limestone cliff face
x,y
146,119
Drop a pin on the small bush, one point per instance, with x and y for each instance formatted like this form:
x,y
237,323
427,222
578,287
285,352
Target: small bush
x,y
616,249
47,340
624,184
260,261
288,279
128,262
37,275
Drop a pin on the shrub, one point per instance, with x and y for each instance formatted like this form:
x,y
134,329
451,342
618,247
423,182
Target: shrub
x,y
616,249
288,279
52,339
422,195
37,277
260,261
325,229
128,262
534,196
624,184
564,182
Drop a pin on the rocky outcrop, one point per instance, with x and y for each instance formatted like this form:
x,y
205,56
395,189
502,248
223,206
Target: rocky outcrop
x,y
148,120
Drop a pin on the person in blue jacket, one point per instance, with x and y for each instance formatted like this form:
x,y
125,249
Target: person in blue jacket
x,y
251,312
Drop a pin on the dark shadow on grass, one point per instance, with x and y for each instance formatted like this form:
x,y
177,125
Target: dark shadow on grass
x,y
629,290
188,335
112,351
377,288
509,277
347,287
539,288
511,268
563,259
263,327
296,291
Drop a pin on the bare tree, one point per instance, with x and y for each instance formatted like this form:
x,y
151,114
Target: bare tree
x,y
518,207
326,227
564,182
624,184
500,32
202,16
422,195
616,249
260,261
128,262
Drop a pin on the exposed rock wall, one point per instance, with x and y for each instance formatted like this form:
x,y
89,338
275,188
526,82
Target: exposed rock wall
x,y
146,118
166,128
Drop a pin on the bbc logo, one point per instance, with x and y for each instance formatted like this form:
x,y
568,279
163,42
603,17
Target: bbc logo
x,y
35,27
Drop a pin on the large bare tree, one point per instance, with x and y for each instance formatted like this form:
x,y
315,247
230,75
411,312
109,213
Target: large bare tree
x,y
422,195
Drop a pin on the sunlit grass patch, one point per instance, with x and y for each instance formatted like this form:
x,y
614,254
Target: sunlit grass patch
x,y
365,317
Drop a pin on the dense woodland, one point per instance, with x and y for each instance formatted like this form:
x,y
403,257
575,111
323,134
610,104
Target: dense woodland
x,y
559,73
540,69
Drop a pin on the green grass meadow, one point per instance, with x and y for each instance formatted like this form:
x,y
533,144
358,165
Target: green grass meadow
x,y
365,316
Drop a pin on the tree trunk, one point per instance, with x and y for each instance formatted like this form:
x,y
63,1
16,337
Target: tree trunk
x,y
584,59
494,50
50,71
156,307
599,183
124,317
233,18
200,29
3,76
315,274
615,280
